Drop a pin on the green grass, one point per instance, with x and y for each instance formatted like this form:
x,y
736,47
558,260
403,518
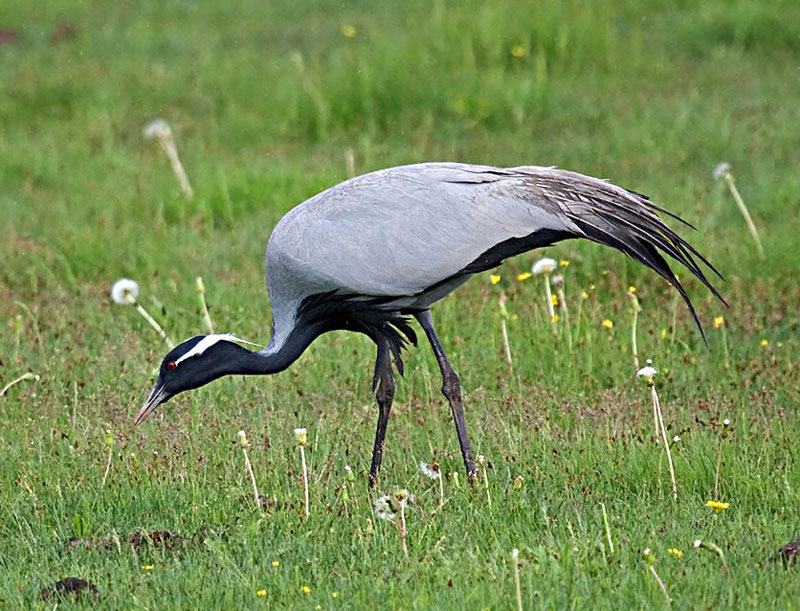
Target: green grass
x,y
265,99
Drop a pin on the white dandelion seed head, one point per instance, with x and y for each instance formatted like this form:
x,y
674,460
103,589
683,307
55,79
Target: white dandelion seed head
x,y
647,372
299,431
125,291
241,434
557,280
697,543
726,422
721,169
348,468
382,506
646,551
428,472
157,128
676,439
543,266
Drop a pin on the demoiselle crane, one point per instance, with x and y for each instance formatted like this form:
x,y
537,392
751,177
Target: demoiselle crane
x,y
372,251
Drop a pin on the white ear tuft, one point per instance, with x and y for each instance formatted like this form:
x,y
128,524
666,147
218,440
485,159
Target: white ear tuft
x,y
208,341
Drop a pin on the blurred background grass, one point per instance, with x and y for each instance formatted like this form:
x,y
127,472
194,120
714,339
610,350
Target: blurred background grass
x,y
266,101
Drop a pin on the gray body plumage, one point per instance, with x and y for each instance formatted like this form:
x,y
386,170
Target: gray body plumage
x,y
400,231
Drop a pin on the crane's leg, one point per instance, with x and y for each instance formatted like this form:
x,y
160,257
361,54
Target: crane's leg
x,y
451,389
383,386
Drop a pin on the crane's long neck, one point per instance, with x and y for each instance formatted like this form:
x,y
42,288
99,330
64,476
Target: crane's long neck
x,y
279,354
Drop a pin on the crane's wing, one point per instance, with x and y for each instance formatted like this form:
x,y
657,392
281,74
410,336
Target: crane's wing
x,y
405,231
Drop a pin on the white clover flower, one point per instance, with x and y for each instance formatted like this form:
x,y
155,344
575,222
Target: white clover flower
x,y
382,506
125,291
721,169
428,472
157,128
543,266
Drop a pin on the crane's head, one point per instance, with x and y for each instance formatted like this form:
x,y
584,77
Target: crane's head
x,y
192,364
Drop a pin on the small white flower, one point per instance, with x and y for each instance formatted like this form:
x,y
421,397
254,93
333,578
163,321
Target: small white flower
x,y
157,128
697,543
515,554
647,372
428,472
125,291
557,280
382,506
676,439
543,266
726,422
646,551
721,169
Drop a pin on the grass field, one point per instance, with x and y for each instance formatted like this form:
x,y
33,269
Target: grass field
x,y
267,100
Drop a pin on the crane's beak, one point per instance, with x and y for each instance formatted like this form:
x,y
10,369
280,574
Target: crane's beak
x,y
156,398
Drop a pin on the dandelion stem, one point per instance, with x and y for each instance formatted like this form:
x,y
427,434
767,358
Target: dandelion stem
x,y
108,466
608,530
660,583
252,477
167,143
517,585
657,405
717,470
441,490
506,346
201,291
562,303
634,348
712,547
305,475
152,322
743,209
549,299
24,376
403,531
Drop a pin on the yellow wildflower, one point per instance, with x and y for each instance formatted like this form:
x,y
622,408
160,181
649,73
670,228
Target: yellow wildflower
x,y
563,263
663,333
554,299
675,552
591,287
607,323
494,278
348,31
717,505
524,276
518,51
148,567
631,289
764,342
513,317
276,563
261,593
335,594
584,295
555,317
306,590
719,322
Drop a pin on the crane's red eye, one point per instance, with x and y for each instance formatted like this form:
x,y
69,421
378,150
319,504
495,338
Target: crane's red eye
x,y
172,366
